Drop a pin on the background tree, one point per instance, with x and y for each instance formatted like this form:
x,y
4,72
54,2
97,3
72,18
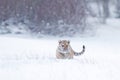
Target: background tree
x,y
118,8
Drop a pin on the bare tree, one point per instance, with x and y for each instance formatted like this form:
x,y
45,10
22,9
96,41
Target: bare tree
x,y
118,8
103,10
106,12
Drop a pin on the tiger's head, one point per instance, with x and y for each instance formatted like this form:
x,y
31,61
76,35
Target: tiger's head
x,y
64,45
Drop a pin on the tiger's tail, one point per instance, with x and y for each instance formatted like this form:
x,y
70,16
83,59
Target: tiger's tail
x,y
80,53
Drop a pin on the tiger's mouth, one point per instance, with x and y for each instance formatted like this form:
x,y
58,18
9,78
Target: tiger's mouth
x,y
64,50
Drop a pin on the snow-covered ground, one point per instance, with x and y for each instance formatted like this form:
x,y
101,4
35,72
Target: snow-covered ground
x,y
34,59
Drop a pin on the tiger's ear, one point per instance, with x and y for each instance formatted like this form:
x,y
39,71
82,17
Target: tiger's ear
x,y
68,42
59,41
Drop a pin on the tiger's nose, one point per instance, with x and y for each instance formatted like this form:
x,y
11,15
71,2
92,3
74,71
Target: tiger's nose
x,y
62,45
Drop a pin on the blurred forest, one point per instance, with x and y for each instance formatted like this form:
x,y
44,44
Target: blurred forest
x,y
54,17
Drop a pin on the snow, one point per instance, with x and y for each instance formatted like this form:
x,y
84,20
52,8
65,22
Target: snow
x,y
34,59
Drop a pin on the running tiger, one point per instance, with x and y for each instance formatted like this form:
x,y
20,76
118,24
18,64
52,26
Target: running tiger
x,y
65,51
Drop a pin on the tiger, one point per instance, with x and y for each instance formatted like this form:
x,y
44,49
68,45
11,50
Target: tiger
x,y
65,51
